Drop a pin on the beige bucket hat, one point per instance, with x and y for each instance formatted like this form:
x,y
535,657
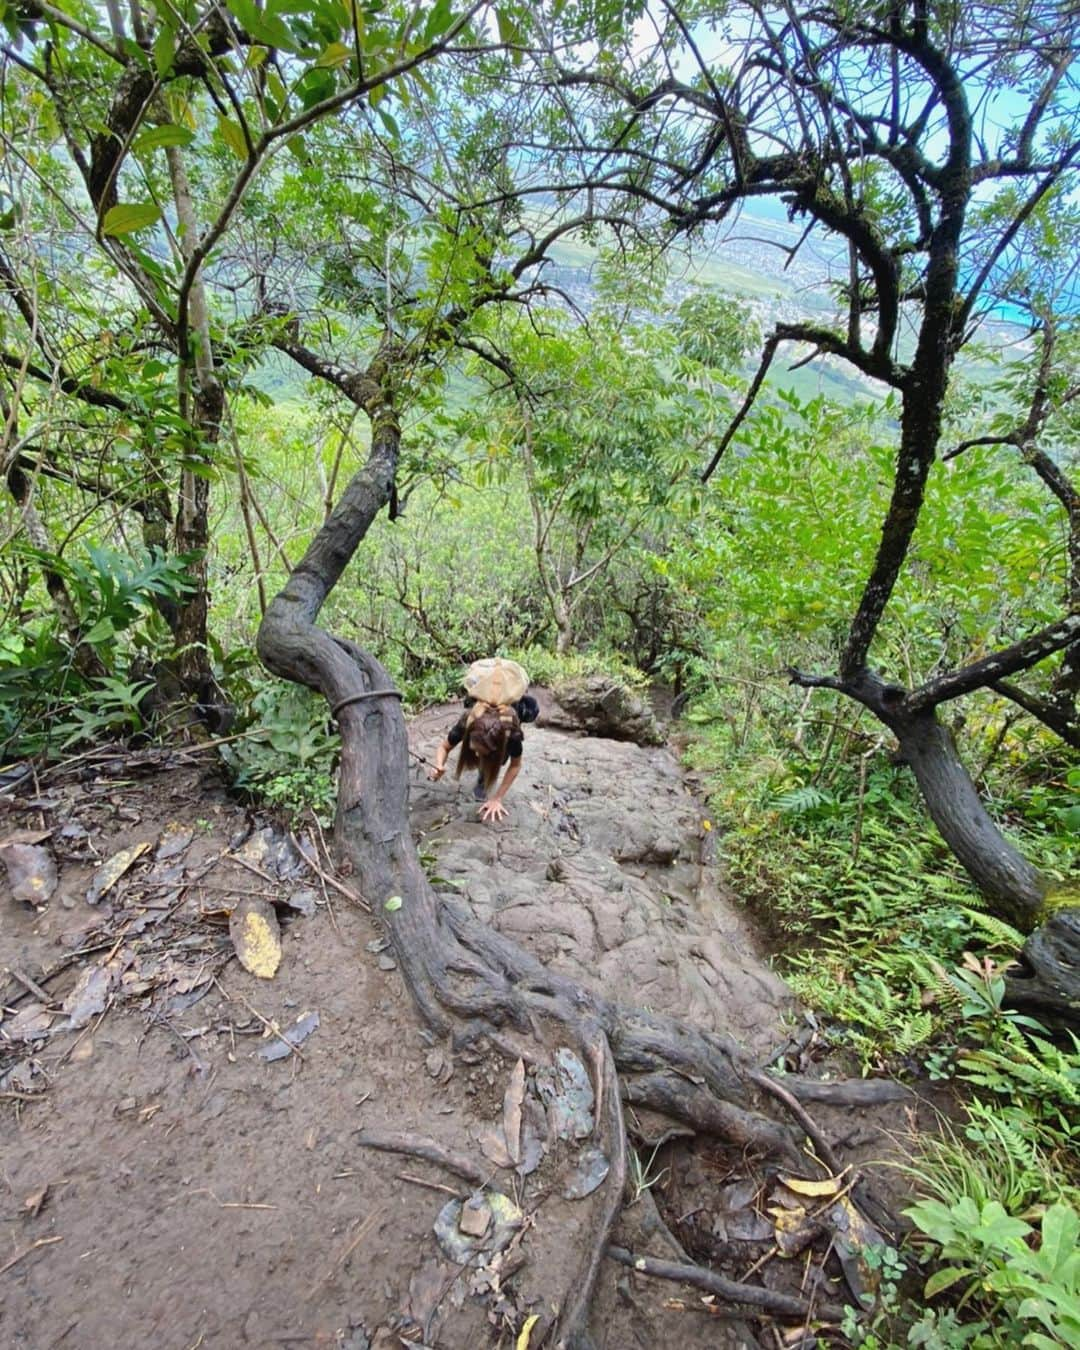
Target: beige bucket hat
x,y
494,680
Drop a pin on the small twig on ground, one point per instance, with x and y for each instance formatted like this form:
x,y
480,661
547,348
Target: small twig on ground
x,y
769,1084
748,1295
430,1185
346,1252
763,1260
331,880
30,984
231,1204
322,879
274,1030
41,1242
252,734
251,867
419,1146
86,1031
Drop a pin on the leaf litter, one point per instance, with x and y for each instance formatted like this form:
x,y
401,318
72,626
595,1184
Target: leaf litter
x,y
159,947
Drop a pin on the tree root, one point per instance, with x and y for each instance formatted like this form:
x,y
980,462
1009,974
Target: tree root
x,y
848,1092
748,1298
419,1146
683,1100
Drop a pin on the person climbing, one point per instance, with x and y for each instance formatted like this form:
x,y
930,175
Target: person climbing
x,y
489,731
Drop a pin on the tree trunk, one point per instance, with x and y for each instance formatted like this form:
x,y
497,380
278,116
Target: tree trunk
x,y
202,405
467,980
999,870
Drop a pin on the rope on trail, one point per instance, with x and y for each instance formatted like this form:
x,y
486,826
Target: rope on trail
x,y
356,698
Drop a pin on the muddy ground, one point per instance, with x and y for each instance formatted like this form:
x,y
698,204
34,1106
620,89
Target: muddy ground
x,y
174,1175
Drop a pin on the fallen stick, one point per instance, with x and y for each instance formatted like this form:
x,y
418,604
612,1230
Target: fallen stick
x,y
750,1296
777,1090
330,880
430,1185
419,1146
274,1030
41,1242
30,984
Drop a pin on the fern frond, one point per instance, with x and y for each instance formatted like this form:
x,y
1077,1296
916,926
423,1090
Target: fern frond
x,y
1000,932
913,1031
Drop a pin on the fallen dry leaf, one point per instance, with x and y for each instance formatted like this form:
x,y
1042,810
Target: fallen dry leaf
x,y
175,837
814,1189
525,1334
31,1024
32,1204
31,871
292,1036
256,937
493,1145
110,871
23,837
855,1234
88,998
515,1094
794,1229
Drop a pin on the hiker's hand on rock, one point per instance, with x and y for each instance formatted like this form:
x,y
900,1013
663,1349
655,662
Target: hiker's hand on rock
x,y
493,810
435,773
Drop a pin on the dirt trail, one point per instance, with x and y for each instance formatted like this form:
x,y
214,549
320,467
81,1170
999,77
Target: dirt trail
x,y
162,1184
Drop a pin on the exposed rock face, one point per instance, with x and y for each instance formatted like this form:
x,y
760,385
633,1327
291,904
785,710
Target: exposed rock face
x,y
602,705
602,871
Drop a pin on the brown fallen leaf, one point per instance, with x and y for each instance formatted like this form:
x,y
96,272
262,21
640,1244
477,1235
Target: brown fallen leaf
x,y
31,1024
175,837
31,871
493,1145
855,1234
34,1202
514,1096
794,1229
23,837
256,937
88,998
110,871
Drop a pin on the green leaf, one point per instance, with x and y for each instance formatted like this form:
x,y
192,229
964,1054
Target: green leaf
x,y
333,55
390,123
439,20
1040,1342
315,85
126,217
233,136
263,27
164,50
158,137
944,1279
509,32
102,631
393,904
